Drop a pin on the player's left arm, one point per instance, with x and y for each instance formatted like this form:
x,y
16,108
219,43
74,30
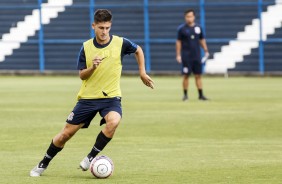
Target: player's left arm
x,y
139,55
203,44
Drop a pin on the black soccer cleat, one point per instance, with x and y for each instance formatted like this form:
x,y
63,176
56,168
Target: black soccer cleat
x,y
203,98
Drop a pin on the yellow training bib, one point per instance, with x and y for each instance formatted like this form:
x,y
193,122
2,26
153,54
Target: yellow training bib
x,y
105,80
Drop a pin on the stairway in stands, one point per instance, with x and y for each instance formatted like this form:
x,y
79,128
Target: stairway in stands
x,y
272,56
236,50
13,14
9,18
224,22
23,30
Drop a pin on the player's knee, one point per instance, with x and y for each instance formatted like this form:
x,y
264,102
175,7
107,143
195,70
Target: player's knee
x,y
113,124
64,137
198,76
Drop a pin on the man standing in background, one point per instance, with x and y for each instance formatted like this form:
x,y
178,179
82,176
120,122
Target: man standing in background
x,y
190,38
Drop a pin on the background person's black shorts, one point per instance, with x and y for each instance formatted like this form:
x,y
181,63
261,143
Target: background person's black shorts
x,y
189,67
86,109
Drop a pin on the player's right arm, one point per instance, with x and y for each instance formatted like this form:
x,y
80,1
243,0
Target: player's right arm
x,y
178,51
84,72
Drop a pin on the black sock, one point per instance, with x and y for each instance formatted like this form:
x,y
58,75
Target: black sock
x,y
99,145
200,92
50,154
185,92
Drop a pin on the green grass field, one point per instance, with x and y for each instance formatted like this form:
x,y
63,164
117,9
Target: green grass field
x,y
234,138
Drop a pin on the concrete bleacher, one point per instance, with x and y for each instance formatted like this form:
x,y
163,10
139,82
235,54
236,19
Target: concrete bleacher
x,y
222,22
74,24
272,56
272,53
72,27
163,25
9,18
13,13
226,21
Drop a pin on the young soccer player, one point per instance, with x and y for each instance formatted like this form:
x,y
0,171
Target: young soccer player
x,y
189,39
99,65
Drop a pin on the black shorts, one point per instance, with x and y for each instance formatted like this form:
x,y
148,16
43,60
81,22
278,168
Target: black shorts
x,y
194,67
86,109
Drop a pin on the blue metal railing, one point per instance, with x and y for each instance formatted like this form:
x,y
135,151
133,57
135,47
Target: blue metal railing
x,y
147,35
202,4
261,43
203,23
91,17
41,40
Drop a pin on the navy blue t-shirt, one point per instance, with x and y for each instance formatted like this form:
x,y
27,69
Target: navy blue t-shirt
x,y
128,47
190,37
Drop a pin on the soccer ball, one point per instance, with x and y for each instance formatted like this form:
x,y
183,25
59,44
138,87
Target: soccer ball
x,y
102,167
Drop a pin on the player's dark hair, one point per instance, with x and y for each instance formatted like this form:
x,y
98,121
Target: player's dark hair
x,y
102,15
189,11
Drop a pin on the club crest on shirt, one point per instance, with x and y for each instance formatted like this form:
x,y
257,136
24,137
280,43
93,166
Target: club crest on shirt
x,y
197,30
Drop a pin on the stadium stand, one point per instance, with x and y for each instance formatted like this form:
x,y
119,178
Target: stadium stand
x,y
272,56
250,66
222,22
272,53
66,33
11,12
26,57
73,25
9,18
77,26
234,52
163,25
